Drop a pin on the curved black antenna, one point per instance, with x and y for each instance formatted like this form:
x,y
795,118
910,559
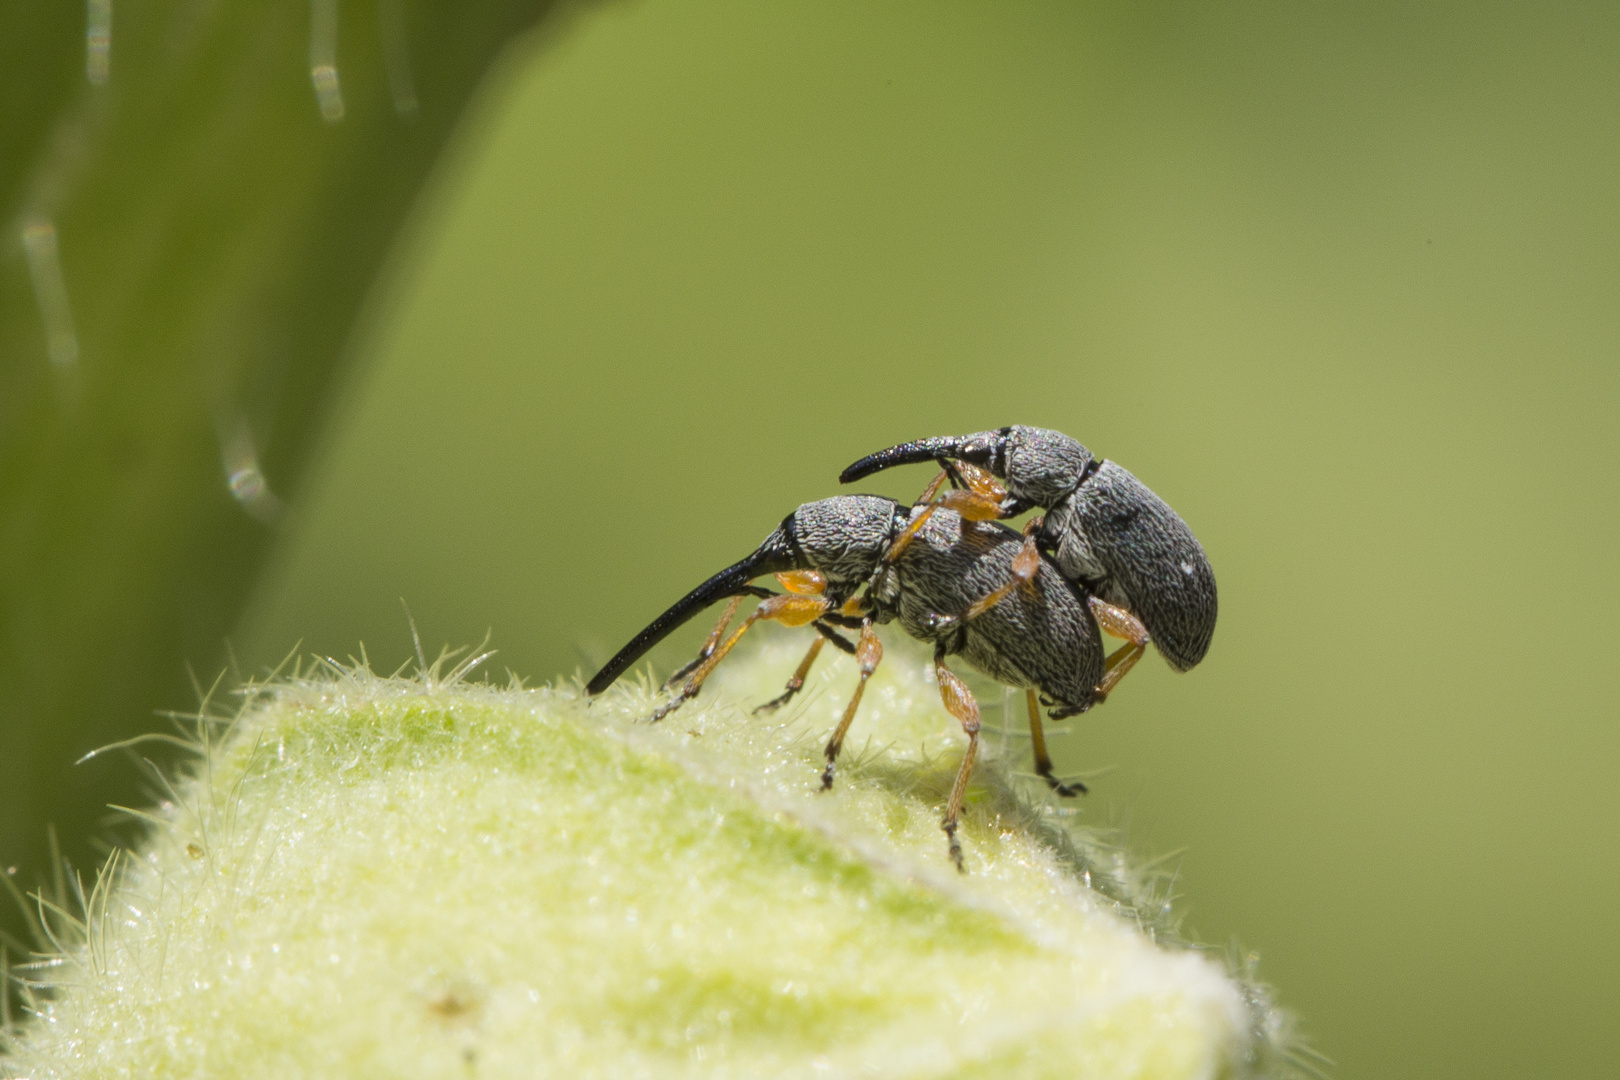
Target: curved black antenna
x,y
773,556
977,449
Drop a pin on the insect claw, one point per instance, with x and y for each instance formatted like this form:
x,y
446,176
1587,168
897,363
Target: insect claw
x,y
773,704
955,846
669,707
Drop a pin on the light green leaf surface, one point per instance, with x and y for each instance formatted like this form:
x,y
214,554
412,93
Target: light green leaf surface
x,y
386,877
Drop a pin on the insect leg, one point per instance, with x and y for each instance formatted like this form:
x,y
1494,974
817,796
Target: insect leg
x,y
1026,564
796,683
1121,624
960,704
1043,760
974,502
840,642
913,527
934,485
806,583
973,505
790,609
708,646
868,653
977,480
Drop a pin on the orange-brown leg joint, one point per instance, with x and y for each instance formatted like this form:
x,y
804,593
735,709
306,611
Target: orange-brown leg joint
x,y
792,610
868,654
972,505
980,481
855,607
1121,624
1118,622
803,582
959,703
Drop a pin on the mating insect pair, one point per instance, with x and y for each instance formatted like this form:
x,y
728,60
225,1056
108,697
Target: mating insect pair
x,y
1024,608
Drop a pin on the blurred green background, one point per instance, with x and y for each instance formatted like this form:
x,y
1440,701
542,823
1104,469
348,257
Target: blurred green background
x,y
1341,283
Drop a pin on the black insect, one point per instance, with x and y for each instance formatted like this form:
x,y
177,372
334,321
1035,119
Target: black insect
x,y
972,588
1103,528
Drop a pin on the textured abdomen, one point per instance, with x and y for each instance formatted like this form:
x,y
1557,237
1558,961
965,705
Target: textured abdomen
x,y
1040,636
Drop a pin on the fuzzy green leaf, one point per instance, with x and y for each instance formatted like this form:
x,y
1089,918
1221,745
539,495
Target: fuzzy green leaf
x,y
389,877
